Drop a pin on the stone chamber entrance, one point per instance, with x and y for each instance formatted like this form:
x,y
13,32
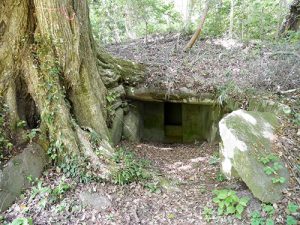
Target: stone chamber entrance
x,y
177,122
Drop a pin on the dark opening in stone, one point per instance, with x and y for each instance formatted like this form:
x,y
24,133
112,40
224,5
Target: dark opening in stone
x,y
177,122
173,114
173,122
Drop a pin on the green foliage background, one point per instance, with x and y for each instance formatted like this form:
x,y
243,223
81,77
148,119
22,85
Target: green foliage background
x,y
120,20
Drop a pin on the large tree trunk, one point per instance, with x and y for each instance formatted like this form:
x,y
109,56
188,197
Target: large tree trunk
x,y
47,53
292,21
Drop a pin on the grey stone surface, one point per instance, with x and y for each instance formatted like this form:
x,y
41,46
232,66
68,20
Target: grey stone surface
x,y
13,177
97,201
131,126
117,91
153,121
117,126
246,138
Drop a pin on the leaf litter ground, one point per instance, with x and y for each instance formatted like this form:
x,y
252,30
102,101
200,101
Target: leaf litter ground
x,y
190,171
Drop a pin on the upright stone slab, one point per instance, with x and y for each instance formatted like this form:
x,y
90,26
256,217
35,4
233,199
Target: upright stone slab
x,y
13,177
199,122
117,126
132,125
153,121
247,138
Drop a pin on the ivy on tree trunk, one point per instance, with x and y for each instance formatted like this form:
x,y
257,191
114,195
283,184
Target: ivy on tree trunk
x,y
47,50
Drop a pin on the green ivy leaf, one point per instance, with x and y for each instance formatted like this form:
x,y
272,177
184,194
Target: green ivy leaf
x,y
277,166
230,210
292,207
239,208
228,201
290,220
269,209
269,222
220,211
239,216
269,170
243,201
222,194
280,180
221,204
216,200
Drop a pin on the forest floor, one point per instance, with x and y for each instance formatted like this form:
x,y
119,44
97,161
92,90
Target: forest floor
x,y
191,173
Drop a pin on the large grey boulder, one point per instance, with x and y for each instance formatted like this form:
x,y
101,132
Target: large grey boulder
x,y
14,175
247,151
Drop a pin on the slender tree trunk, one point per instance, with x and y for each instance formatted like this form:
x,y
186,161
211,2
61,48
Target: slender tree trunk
x,y
199,29
47,50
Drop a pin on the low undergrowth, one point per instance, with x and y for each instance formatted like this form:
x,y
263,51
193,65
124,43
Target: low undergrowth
x,y
266,215
129,168
48,195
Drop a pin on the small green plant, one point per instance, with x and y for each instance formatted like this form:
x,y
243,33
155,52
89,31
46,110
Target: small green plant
x,y
21,124
292,208
268,212
214,160
58,192
76,168
47,195
111,97
270,221
280,180
290,220
128,168
257,219
208,213
153,187
272,166
268,209
267,159
22,221
220,177
229,203
62,207
32,134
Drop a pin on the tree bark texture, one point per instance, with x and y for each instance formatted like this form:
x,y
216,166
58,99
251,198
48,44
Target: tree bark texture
x,y
47,50
292,21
